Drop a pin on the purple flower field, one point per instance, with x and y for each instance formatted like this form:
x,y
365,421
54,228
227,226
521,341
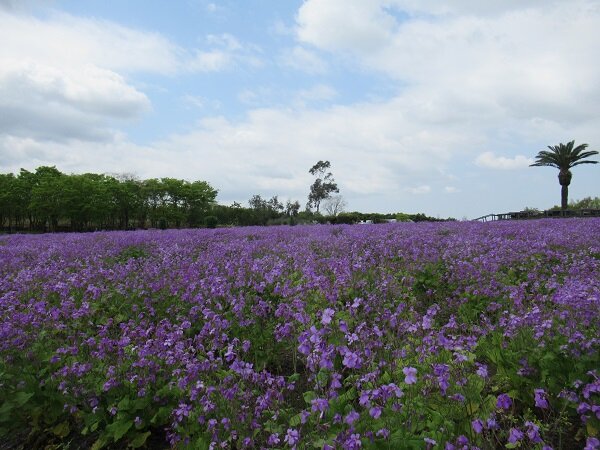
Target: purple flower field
x,y
397,336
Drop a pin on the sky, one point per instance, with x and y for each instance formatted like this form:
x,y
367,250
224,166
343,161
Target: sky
x,y
424,106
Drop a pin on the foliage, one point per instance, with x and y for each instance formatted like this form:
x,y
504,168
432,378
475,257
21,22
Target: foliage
x,y
564,157
323,186
211,222
387,336
357,217
48,200
584,203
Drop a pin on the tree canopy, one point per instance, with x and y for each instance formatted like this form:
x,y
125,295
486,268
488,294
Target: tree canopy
x,y
323,186
49,200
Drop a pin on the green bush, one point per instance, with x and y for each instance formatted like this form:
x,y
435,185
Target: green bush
x,y
211,222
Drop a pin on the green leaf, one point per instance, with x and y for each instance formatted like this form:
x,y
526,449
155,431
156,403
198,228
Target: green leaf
x,y
118,429
161,416
201,444
140,403
22,397
295,420
309,396
6,408
294,377
349,395
472,408
123,405
62,430
320,443
323,377
140,439
100,443
386,378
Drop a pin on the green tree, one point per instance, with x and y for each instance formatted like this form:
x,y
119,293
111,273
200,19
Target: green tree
x,y
564,157
126,193
200,197
323,186
8,199
47,201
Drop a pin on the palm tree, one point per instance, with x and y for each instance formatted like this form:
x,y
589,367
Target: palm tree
x,y
563,157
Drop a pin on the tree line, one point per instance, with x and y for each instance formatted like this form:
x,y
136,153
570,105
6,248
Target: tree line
x,y
49,200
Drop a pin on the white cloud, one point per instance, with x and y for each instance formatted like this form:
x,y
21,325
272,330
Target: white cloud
x,y
471,7
318,92
491,161
371,151
299,58
225,51
45,102
70,41
451,190
356,25
517,63
210,61
419,190
65,77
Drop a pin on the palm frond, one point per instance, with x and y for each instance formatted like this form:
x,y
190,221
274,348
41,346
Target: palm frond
x,y
564,156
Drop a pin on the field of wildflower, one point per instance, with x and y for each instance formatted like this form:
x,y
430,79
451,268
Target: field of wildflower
x,y
397,336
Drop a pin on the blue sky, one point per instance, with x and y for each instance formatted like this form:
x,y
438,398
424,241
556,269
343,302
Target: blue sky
x,y
421,106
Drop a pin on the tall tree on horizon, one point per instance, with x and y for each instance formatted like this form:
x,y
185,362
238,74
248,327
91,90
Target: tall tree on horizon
x,y
323,186
564,157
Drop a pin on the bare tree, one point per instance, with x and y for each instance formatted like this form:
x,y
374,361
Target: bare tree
x,y
334,205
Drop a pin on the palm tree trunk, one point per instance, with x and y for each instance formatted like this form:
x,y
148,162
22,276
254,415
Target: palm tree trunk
x,y
564,178
564,196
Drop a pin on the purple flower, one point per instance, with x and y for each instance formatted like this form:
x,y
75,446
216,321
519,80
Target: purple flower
x,y
383,432
514,436
492,424
477,425
533,432
291,437
273,439
319,404
458,397
430,442
540,398
351,417
327,316
364,399
462,440
482,370
375,412
352,443
410,375
351,360
592,443
183,410
504,401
